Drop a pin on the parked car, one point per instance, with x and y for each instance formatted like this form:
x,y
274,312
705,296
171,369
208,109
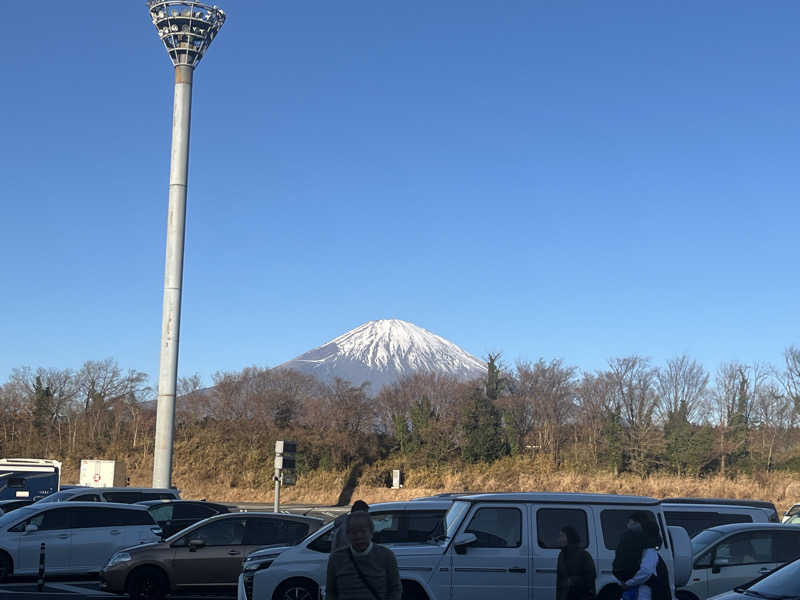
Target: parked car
x,y
729,555
6,506
207,556
792,512
174,515
80,537
300,572
783,583
698,514
487,546
124,495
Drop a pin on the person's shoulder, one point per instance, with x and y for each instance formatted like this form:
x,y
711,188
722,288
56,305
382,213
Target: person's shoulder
x,y
382,551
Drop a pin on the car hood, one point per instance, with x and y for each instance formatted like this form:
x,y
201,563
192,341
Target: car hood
x,y
144,547
402,551
731,596
270,550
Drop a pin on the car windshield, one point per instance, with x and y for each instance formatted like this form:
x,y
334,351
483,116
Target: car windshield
x,y
783,583
454,516
703,540
57,497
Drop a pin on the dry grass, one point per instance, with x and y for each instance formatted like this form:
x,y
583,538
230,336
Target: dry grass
x,y
509,474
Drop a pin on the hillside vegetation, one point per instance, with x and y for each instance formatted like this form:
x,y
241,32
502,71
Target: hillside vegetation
x,y
635,428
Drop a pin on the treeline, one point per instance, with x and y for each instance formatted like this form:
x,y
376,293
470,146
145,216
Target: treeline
x,y
632,416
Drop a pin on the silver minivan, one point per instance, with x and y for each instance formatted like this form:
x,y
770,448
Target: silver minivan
x,y
79,537
730,555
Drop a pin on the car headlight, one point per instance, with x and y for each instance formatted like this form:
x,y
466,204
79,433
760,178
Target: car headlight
x,y
118,558
256,563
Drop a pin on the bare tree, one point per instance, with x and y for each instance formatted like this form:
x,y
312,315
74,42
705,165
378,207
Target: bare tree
x,y
633,382
682,387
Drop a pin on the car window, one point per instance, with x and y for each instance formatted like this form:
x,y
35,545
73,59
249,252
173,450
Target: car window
x,y
745,548
161,512
224,532
50,520
787,545
614,522
86,498
263,531
549,522
296,531
496,528
323,542
155,496
793,511
388,528
191,511
124,497
422,525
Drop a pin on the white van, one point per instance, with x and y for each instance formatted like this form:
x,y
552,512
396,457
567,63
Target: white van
x,y
79,537
698,514
491,545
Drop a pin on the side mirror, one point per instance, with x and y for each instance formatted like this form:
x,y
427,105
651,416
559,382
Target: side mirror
x,y
195,545
719,563
31,528
462,541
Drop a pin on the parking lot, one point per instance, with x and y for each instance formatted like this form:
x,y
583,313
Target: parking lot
x,y
73,590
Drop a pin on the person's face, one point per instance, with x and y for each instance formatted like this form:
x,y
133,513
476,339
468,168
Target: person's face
x,y
359,534
562,540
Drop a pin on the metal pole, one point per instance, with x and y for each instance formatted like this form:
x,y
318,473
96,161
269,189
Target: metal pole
x,y
276,507
173,277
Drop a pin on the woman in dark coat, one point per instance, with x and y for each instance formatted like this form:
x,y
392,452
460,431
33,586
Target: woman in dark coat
x,y
576,572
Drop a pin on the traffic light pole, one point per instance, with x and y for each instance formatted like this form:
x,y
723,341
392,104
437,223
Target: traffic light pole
x,y
277,506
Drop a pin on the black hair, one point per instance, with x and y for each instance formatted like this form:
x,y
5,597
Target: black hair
x,y
571,535
359,505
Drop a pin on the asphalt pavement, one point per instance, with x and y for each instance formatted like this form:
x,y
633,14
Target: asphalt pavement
x,y
75,590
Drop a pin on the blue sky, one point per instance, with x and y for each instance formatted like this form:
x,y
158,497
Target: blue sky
x,y
559,179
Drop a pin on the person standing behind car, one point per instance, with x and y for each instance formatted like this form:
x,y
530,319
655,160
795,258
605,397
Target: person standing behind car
x,y
362,570
339,539
576,571
643,582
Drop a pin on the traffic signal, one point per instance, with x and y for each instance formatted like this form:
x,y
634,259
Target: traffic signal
x,y
285,453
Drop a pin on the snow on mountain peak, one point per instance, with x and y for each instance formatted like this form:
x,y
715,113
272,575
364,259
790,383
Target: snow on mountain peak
x,y
383,351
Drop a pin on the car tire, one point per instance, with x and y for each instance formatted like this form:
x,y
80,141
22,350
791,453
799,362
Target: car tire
x,y
147,583
297,590
6,566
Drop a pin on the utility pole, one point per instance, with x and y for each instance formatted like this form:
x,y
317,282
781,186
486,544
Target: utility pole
x,y
186,28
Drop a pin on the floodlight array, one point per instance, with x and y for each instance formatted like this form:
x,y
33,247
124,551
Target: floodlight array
x,y
186,27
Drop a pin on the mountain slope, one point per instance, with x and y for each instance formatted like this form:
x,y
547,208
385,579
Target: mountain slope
x,y
380,352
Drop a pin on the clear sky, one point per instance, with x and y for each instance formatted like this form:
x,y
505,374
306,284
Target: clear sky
x,y
543,178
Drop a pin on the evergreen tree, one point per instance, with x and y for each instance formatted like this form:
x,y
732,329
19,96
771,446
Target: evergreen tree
x,y
483,434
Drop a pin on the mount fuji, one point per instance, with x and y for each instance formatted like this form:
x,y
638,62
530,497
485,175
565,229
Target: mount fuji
x,y
381,352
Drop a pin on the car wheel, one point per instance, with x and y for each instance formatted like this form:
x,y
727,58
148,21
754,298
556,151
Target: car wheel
x,y
6,568
147,583
297,590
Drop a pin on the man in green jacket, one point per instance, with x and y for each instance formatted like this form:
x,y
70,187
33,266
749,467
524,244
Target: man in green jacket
x,y
362,570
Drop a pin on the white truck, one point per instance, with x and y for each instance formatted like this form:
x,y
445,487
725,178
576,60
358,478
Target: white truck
x,y
103,473
491,545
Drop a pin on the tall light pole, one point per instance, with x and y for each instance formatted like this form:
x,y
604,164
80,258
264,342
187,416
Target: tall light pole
x,y
187,28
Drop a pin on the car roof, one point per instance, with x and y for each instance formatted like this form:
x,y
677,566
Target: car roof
x,y
562,498
735,527
157,501
50,505
721,502
291,516
412,505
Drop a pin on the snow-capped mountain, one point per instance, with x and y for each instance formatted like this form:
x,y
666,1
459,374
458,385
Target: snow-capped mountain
x,y
383,351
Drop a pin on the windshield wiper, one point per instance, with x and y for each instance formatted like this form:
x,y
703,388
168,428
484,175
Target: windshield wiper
x,y
760,595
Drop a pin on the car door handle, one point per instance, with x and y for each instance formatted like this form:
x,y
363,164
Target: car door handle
x,y
63,536
516,570
764,570
115,532
233,552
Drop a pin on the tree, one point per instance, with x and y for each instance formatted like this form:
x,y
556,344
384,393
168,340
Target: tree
x,y
482,431
633,384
